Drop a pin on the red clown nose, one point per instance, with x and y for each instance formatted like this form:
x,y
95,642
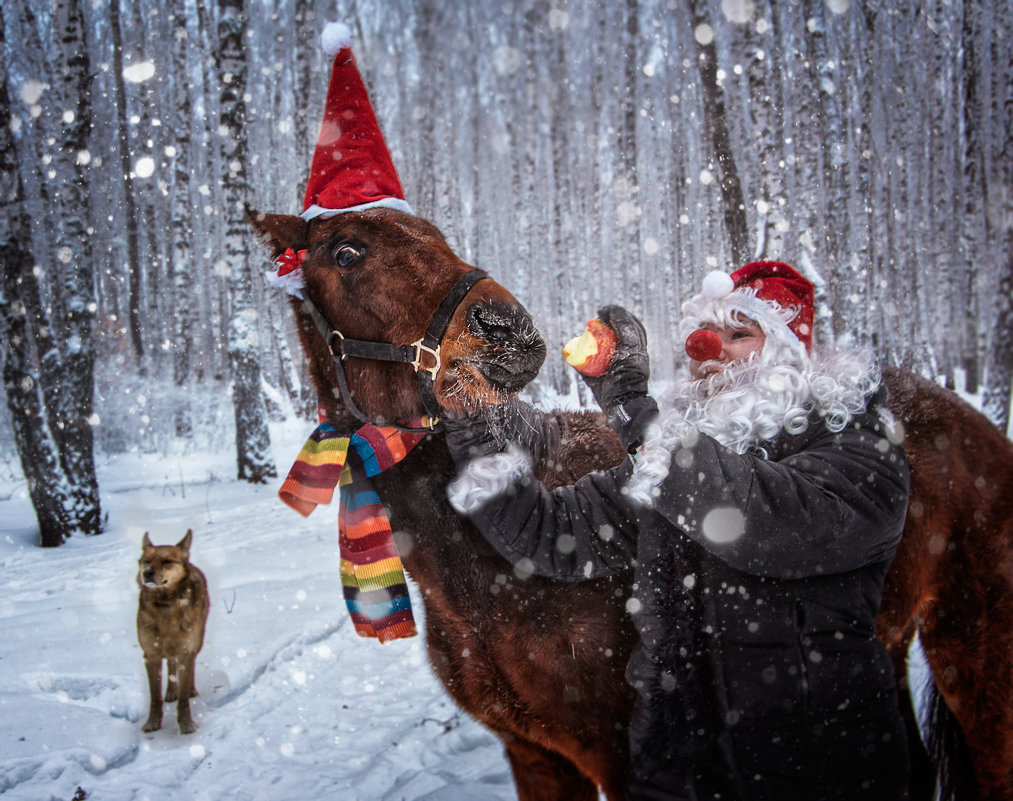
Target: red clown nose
x,y
703,345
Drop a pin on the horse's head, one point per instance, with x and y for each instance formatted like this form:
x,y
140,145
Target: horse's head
x,y
380,275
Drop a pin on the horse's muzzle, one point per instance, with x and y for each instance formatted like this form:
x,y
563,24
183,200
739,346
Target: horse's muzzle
x,y
514,350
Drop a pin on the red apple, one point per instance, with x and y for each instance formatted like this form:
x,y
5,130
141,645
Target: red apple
x,y
591,352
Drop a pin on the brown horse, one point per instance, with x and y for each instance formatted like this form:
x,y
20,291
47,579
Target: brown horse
x,y
538,662
952,578
541,663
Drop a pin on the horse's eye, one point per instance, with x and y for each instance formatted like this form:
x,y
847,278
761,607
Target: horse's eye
x,y
346,255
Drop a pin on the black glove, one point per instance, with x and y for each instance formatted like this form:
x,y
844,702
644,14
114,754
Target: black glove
x,y
621,391
469,435
487,430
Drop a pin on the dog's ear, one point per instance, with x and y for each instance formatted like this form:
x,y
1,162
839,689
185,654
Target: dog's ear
x,y
146,542
184,544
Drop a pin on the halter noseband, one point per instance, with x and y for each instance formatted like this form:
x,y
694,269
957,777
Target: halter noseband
x,y
342,347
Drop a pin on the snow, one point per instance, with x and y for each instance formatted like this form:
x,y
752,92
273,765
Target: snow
x,y
292,704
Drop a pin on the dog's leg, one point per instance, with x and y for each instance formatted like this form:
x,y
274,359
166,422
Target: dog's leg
x,y
184,681
154,669
192,690
172,680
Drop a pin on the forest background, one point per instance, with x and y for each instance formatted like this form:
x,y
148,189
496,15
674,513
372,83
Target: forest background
x,y
582,153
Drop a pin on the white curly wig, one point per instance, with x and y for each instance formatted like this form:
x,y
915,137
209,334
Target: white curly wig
x,y
782,388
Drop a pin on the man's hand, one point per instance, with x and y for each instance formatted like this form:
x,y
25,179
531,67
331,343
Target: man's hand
x,y
489,428
621,391
470,435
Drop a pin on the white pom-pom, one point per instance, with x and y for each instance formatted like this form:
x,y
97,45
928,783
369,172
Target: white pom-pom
x,y
292,282
335,38
717,284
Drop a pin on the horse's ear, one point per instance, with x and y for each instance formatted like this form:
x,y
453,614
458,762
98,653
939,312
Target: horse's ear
x,y
279,231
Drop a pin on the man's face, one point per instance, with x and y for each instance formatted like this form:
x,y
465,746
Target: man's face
x,y
737,343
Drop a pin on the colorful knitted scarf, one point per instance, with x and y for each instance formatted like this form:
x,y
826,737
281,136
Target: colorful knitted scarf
x,y
374,583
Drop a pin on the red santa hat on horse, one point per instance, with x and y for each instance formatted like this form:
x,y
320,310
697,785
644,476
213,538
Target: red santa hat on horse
x,y
352,169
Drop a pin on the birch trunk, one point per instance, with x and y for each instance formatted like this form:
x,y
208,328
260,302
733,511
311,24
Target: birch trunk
x,y
19,290
130,216
716,121
253,440
999,353
181,269
973,220
71,418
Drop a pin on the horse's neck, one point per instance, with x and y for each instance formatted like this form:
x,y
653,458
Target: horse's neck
x,y
414,493
564,446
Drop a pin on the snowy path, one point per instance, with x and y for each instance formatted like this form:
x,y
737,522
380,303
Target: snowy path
x,y
292,705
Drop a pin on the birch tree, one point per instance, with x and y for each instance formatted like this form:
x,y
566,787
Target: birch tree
x,y
253,440
71,408
130,214
716,122
999,353
999,356
19,293
181,267
973,219
765,115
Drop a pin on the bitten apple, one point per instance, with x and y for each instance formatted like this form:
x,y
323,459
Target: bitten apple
x,y
591,352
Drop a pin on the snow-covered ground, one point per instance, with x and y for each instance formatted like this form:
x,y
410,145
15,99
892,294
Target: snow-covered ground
x,y
292,704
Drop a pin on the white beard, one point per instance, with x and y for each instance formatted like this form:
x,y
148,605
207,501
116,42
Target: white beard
x,y
753,402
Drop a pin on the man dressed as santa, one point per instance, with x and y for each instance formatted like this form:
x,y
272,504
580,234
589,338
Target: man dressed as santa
x,y
759,512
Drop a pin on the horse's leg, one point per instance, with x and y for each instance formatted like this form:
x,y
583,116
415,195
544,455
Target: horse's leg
x,y
972,672
904,594
923,784
542,775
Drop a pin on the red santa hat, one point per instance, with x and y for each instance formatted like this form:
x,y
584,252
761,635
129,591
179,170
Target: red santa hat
x,y
771,293
352,168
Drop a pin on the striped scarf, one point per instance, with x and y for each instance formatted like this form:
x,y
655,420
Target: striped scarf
x,y
374,583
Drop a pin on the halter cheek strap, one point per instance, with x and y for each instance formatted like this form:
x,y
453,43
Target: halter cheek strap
x,y
425,349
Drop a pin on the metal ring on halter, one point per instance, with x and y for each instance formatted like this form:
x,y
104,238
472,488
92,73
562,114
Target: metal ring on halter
x,y
330,342
417,362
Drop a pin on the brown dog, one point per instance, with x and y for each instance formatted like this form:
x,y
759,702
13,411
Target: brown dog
x,y
171,615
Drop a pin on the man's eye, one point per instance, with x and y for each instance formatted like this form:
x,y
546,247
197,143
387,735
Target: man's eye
x,y
346,255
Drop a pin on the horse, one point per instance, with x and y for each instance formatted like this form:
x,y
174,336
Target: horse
x,y
951,582
538,662
541,663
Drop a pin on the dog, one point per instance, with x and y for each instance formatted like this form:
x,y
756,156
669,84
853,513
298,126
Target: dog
x,y
171,615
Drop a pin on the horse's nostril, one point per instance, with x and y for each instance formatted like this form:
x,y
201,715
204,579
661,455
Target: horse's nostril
x,y
492,320
505,324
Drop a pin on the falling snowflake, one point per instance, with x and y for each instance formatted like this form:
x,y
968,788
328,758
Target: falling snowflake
x,y
723,525
140,72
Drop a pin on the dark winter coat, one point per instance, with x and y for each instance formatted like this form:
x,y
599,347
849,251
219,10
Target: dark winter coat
x,y
767,637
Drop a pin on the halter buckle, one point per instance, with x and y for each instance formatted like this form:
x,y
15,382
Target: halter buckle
x,y
417,361
335,333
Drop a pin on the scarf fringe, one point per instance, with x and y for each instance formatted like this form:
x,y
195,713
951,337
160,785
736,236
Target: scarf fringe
x,y
372,576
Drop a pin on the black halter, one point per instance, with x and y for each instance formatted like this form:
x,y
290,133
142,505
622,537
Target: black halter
x,y
429,345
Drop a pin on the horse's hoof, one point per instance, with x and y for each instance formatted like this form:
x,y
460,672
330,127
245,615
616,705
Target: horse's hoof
x,y
151,725
187,727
